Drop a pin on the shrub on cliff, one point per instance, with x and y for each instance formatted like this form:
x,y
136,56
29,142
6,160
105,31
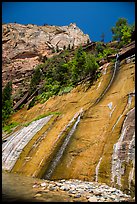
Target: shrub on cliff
x,y
62,75
6,103
102,51
82,65
35,79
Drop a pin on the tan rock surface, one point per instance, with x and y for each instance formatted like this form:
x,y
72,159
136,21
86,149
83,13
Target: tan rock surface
x,y
96,134
23,46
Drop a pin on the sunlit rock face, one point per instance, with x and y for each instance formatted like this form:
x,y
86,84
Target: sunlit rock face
x,y
23,47
14,145
102,146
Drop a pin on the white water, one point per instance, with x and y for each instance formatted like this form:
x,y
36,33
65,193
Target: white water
x,y
117,169
99,84
70,123
127,106
117,122
130,95
131,156
61,150
114,72
112,111
97,168
131,174
110,105
14,146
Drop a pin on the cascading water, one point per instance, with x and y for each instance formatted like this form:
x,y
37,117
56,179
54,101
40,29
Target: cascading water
x,y
114,73
61,150
97,168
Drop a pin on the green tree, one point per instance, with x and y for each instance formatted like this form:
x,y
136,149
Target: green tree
x,y
99,47
126,34
116,30
35,79
7,104
90,66
82,65
78,65
122,31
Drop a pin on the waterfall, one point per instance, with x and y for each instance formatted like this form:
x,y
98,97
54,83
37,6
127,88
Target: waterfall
x,y
97,168
61,150
114,72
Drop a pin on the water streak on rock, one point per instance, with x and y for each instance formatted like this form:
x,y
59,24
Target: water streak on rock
x,y
110,105
127,106
69,124
112,111
14,146
61,150
97,168
131,156
112,78
117,169
124,149
117,122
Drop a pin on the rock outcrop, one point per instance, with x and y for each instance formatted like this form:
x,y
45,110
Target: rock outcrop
x,y
102,145
127,51
87,134
24,46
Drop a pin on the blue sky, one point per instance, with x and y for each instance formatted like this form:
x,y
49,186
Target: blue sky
x,y
93,18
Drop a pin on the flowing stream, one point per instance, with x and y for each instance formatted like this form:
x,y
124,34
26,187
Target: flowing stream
x,y
61,150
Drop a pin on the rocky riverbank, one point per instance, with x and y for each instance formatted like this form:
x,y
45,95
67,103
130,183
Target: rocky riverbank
x,y
16,187
79,190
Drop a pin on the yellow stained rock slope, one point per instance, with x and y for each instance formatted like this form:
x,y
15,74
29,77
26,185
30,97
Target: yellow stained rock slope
x,y
99,129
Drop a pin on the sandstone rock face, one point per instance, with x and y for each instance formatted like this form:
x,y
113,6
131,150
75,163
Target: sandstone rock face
x,y
127,51
24,45
102,147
